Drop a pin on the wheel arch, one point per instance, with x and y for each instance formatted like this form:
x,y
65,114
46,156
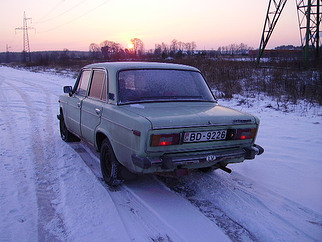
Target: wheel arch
x,y
100,136
61,113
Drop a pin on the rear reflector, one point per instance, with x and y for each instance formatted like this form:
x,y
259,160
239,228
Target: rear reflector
x,y
136,132
165,139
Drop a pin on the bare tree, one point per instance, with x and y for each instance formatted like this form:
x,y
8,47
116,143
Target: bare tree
x,y
193,46
138,46
234,49
174,45
110,48
180,45
95,50
157,50
113,47
190,47
94,47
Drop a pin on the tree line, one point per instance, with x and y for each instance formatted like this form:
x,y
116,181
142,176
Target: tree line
x,y
175,49
113,50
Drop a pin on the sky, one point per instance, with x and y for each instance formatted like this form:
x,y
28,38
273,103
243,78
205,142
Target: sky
x,y
75,24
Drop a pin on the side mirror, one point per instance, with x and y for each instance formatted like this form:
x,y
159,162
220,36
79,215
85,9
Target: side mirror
x,y
68,89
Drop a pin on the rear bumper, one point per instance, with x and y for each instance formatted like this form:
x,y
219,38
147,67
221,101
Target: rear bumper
x,y
169,162
253,151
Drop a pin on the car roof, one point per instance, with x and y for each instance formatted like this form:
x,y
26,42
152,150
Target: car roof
x,y
117,66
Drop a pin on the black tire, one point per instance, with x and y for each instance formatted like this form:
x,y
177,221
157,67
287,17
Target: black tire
x,y
64,132
110,167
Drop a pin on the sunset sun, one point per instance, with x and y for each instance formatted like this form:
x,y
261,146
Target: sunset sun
x,y
130,45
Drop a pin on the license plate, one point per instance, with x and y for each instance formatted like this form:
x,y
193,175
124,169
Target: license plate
x,y
204,136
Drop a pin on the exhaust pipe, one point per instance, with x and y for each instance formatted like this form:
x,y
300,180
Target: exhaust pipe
x,y
222,167
226,169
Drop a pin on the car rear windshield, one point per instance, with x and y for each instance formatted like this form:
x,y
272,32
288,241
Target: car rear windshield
x,y
137,86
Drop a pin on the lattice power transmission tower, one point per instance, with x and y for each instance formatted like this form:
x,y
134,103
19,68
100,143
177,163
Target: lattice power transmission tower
x,y
309,17
274,11
26,44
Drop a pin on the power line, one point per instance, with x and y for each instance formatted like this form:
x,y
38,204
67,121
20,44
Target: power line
x,y
74,19
41,20
61,14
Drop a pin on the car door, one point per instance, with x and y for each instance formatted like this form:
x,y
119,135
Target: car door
x,y
73,116
92,105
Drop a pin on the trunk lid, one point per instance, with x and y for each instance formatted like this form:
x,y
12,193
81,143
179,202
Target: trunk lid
x,y
189,114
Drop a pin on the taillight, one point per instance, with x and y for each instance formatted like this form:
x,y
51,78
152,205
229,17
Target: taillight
x,y
165,139
245,134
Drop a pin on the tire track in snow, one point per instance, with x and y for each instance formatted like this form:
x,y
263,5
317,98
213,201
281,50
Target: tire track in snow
x,y
235,204
15,183
45,186
50,119
232,228
150,204
131,211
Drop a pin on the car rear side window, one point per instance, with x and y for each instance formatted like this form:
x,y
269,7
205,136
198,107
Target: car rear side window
x,y
83,83
98,86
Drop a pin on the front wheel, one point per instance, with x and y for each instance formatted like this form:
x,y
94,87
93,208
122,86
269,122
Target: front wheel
x,y
110,167
64,132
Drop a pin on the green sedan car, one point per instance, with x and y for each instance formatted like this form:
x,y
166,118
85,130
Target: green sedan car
x,y
154,118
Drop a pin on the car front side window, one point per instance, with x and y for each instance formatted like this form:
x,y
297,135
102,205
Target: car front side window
x,y
83,83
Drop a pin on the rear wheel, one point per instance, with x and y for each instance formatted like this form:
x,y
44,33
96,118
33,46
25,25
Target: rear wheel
x,y
110,167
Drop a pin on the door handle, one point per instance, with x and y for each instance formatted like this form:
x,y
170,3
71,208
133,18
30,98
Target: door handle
x,y
97,111
79,105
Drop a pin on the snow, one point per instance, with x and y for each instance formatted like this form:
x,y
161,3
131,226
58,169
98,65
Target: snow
x,y
165,204
292,163
53,191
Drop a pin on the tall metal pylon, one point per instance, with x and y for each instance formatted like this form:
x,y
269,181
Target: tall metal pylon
x,y
274,11
26,44
309,17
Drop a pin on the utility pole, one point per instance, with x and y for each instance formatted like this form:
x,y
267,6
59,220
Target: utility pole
x,y
7,53
26,44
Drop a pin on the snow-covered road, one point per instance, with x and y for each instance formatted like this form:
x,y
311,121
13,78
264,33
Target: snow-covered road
x,y
53,191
